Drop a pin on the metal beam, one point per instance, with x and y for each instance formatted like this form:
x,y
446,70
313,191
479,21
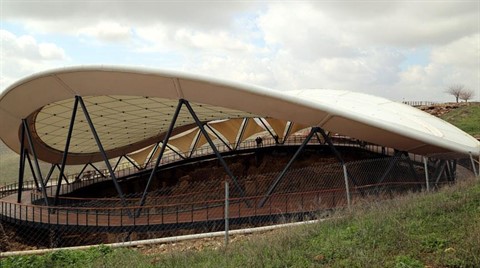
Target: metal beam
x,y
473,166
175,151
197,139
287,133
160,155
218,136
131,162
242,132
65,152
337,154
49,175
118,162
27,155
284,171
391,163
21,168
96,169
217,153
410,165
102,151
37,166
268,129
151,154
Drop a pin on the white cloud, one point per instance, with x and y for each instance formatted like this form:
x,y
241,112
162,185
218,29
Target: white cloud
x,y
24,55
107,31
456,62
353,45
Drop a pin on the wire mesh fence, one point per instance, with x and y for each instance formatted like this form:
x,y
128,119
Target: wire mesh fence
x,y
198,205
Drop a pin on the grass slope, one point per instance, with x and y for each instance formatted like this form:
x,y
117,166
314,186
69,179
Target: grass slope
x,y
435,230
466,117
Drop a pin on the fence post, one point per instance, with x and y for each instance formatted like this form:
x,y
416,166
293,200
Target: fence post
x,y
226,212
473,166
425,165
347,188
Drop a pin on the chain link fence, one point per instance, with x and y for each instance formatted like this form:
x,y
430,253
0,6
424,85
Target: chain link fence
x,y
196,206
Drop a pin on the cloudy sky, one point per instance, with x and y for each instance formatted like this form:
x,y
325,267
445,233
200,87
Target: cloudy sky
x,y
402,50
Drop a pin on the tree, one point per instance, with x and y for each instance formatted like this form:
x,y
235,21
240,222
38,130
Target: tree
x,y
455,90
466,95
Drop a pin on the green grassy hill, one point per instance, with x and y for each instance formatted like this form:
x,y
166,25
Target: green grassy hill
x,y
466,117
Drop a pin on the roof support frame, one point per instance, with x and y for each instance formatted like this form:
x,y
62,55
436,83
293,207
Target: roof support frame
x,y
30,164
50,172
197,139
285,169
98,170
218,136
131,162
275,137
391,163
337,154
117,163
37,166
102,151
287,132
176,152
67,147
217,153
155,148
160,155
242,131
21,168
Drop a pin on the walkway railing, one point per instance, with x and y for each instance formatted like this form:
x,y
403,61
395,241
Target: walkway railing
x,y
191,212
126,169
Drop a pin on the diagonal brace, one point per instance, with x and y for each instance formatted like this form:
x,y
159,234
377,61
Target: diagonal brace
x,y
284,171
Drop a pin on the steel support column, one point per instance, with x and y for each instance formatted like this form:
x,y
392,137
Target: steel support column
x,y
214,148
102,151
337,155
21,168
284,171
35,179
65,152
37,166
160,155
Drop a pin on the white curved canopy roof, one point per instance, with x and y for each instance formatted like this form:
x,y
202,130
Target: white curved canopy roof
x,y
131,108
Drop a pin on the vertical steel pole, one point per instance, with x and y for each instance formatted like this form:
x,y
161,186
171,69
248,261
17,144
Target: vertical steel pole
x,y
473,165
425,165
227,206
347,188
37,166
65,152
